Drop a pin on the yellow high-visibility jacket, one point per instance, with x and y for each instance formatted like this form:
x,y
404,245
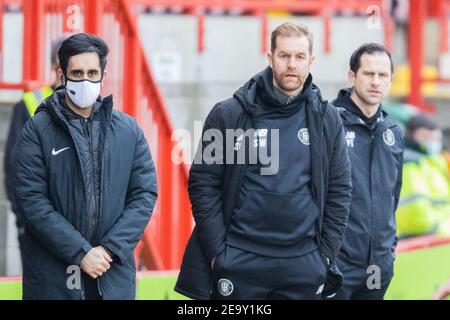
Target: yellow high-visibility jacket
x,y
33,99
424,206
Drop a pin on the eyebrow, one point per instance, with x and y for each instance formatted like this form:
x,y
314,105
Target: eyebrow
x,y
81,70
375,72
300,53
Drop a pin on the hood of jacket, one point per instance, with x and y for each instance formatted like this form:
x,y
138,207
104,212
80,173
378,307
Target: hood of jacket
x,y
258,92
351,114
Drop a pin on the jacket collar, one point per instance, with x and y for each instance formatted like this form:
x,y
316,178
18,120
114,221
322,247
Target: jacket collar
x,y
383,121
56,106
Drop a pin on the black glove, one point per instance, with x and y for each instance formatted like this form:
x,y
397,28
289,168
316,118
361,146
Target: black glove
x,y
334,278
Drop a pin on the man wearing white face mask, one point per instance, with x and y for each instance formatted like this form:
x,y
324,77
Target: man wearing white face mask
x,y
425,197
85,184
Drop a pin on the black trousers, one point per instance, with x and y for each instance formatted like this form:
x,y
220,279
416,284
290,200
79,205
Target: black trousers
x,y
21,240
91,291
239,274
365,283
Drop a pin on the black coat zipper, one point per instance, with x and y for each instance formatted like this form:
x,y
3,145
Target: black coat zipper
x,y
102,168
92,218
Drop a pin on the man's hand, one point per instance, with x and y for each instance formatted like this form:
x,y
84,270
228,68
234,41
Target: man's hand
x,y
96,262
443,292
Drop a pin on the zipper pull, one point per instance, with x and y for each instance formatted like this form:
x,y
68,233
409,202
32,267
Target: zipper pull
x,y
98,287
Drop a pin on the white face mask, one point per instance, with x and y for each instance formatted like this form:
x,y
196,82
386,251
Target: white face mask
x,y
434,147
83,93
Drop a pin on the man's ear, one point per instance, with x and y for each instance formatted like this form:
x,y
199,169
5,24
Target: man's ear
x,y
103,77
312,59
351,77
270,59
60,75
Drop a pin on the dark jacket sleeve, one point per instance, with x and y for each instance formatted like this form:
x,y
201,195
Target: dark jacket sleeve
x,y
141,196
31,189
398,187
338,198
205,188
18,119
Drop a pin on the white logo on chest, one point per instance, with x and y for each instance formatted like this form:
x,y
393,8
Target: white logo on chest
x,y
56,152
303,136
350,137
260,138
388,137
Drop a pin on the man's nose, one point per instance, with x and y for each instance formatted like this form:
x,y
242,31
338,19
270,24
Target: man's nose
x,y
291,62
376,81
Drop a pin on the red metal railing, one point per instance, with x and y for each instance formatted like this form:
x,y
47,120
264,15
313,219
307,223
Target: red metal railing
x,y
163,244
416,51
439,9
323,8
421,242
419,11
135,92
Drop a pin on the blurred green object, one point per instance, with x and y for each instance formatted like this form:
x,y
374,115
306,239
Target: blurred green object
x,y
400,112
11,290
419,273
157,287
149,286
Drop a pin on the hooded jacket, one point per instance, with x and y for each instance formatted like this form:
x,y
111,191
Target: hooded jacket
x,y
424,205
376,154
276,215
214,188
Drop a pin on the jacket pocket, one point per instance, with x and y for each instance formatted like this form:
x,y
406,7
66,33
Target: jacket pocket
x,y
355,245
386,228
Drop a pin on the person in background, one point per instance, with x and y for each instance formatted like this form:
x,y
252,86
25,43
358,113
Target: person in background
x,y
22,112
425,196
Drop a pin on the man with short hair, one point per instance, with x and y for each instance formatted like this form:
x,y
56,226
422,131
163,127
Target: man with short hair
x,y
375,147
270,229
85,185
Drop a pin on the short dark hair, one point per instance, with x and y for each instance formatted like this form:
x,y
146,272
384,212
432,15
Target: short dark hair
x,y
82,43
55,45
369,48
289,29
420,120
